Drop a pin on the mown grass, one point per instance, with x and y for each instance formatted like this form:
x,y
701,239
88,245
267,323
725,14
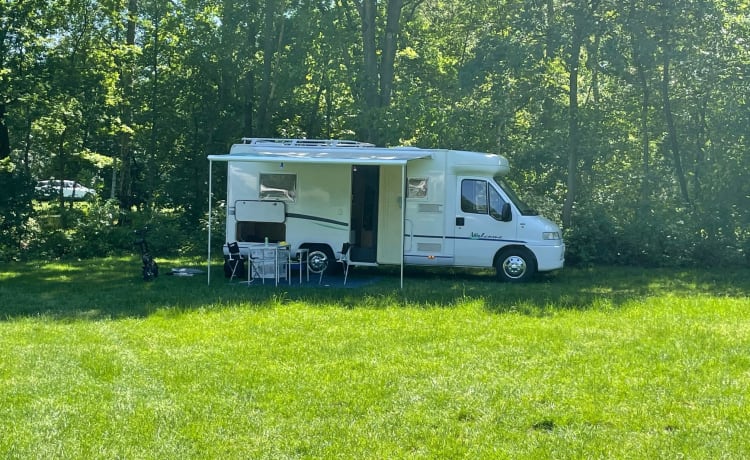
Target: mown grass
x,y
601,363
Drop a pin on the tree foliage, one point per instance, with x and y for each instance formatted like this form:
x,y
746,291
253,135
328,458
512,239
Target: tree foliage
x,y
628,121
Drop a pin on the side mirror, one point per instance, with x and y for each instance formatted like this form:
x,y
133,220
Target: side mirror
x,y
506,215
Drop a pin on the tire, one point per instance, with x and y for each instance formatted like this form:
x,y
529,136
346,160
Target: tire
x,y
515,265
321,259
150,271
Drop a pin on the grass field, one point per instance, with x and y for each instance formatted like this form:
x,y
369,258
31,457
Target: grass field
x,y
600,363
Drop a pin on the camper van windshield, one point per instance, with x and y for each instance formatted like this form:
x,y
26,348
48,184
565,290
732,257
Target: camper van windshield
x,y
525,209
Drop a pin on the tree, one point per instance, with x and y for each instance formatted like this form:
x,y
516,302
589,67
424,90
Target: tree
x,y
373,88
582,13
668,11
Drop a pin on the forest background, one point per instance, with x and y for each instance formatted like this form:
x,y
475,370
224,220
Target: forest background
x,y
626,121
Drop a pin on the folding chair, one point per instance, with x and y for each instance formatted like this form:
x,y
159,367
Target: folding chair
x,y
344,259
299,262
234,265
258,264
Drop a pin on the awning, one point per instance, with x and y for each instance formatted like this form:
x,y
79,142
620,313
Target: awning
x,y
336,155
397,156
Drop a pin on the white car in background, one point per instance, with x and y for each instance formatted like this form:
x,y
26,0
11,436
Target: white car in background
x,y
71,190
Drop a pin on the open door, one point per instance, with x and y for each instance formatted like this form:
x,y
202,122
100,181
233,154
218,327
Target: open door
x,y
364,223
390,234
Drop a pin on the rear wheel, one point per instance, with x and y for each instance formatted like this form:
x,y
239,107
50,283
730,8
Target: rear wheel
x,y
515,265
321,259
150,271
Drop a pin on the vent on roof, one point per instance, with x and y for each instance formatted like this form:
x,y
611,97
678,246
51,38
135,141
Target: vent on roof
x,y
304,142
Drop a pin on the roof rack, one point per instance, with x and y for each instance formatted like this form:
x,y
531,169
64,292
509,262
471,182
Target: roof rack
x,y
304,142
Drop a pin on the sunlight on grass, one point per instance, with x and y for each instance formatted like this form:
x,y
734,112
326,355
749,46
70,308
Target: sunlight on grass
x,y
177,369
8,275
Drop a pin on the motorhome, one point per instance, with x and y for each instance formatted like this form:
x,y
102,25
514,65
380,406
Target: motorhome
x,y
397,205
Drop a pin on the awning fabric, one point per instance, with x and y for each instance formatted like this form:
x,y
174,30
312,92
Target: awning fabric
x,y
337,155
397,156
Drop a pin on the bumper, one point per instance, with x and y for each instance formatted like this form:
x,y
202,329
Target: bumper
x,y
549,257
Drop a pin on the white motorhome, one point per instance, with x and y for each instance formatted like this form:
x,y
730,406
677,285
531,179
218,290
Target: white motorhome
x,y
400,205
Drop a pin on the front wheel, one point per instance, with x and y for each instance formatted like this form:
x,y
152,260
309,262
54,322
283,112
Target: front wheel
x,y
515,265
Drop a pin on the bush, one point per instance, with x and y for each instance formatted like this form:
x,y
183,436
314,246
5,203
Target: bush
x,y
592,239
15,209
97,231
657,238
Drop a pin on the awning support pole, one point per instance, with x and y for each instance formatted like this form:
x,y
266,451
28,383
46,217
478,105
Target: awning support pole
x,y
403,218
210,194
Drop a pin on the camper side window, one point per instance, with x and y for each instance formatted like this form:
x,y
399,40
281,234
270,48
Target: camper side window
x,y
281,187
417,187
496,204
474,196
478,197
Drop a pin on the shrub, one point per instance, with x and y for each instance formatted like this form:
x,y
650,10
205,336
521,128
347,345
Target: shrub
x,y
15,208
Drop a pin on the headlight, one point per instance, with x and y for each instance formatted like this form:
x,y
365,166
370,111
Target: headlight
x,y
551,235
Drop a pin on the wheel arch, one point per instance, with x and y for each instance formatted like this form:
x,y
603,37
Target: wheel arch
x,y
499,253
530,267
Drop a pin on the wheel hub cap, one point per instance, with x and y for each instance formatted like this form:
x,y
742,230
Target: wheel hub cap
x,y
318,262
514,266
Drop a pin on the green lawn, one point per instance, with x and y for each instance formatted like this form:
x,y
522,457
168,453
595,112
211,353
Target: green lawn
x,y
601,363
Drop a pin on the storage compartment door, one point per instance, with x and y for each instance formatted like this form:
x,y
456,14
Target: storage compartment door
x,y
260,211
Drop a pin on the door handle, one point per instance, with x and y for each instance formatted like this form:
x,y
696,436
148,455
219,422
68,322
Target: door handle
x,y
459,221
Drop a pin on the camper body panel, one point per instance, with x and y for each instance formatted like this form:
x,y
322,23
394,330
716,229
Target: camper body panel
x,y
456,211
318,212
427,239
322,210
439,232
549,252
479,232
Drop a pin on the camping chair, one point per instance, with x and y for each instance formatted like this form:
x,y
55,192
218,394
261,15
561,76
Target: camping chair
x,y
299,262
235,264
258,264
344,259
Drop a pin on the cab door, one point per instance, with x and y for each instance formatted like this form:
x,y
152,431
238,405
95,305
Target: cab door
x,y
484,222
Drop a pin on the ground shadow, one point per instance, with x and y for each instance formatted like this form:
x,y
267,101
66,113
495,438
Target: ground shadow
x,y
113,288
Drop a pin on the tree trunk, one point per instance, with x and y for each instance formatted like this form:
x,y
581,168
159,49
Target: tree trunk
x,y
671,129
390,45
126,150
368,13
377,77
153,152
573,128
271,46
640,70
550,46
249,120
4,134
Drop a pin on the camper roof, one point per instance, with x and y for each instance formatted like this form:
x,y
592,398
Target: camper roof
x,y
319,151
